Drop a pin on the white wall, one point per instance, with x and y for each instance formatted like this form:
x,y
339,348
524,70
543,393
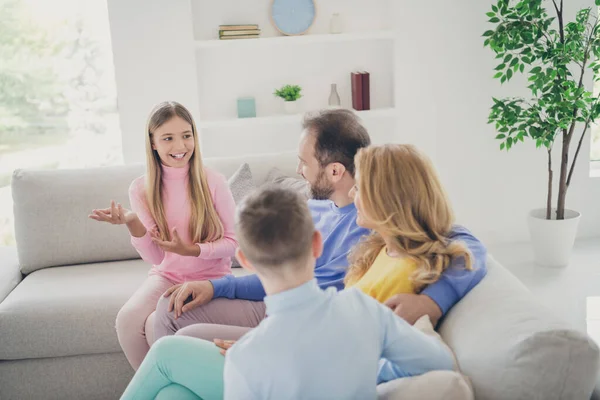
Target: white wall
x,y
446,98
152,42
443,89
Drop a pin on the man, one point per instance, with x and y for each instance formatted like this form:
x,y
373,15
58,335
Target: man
x,y
329,142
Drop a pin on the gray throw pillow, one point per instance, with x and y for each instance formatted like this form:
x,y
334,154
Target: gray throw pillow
x,y
298,185
241,183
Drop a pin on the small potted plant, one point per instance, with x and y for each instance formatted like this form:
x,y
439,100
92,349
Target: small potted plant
x,y
289,93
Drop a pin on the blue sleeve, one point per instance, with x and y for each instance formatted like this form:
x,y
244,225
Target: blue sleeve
x,y
246,287
410,352
457,281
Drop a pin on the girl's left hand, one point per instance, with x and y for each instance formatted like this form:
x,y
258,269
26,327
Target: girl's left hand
x,y
177,246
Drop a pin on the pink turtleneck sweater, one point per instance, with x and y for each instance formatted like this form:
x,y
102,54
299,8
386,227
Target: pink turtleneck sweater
x,y
215,257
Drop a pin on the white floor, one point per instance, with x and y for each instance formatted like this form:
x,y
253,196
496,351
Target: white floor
x,y
572,292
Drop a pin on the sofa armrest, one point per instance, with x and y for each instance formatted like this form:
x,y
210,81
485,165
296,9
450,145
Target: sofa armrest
x,y
10,274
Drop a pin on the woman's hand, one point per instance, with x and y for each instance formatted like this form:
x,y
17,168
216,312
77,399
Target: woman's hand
x,y
176,245
224,345
115,214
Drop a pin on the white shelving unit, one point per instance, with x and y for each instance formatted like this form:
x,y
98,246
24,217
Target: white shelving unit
x,y
297,40
283,119
229,69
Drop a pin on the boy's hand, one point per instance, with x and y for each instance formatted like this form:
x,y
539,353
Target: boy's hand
x,y
201,291
411,307
115,214
176,245
224,345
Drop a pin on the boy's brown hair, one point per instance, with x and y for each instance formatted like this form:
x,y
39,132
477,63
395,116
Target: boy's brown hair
x,y
274,227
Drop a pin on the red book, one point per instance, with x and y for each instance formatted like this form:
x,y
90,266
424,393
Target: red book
x,y
366,90
357,90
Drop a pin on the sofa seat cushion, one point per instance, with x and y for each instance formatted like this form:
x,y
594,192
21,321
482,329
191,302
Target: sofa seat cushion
x,y
65,311
512,347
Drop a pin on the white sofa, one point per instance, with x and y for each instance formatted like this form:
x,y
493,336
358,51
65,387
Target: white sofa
x,y
60,296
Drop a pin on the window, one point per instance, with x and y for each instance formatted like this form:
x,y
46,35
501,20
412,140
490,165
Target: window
x,y
58,105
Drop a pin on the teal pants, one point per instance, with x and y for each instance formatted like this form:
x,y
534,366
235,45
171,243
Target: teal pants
x,y
179,367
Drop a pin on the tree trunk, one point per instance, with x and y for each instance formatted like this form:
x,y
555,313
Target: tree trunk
x,y
562,183
550,176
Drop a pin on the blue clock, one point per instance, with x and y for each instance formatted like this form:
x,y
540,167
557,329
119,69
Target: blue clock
x,y
293,17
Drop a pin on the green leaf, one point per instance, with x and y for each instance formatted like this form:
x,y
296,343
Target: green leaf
x,y
488,33
498,75
507,58
494,8
522,66
490,14
501,66
509,74
500,136
502,146
535,70
513,62
503,79
494,20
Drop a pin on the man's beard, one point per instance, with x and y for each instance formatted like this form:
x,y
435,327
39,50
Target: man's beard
x,y
321,189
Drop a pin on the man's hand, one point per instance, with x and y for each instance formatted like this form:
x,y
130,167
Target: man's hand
x,y
411,307
224,345
176,245
201,291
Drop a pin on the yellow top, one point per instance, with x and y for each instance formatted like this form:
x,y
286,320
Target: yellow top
x,y
387,277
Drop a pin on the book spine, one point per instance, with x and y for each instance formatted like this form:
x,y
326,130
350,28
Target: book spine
x,y
357,97
366,91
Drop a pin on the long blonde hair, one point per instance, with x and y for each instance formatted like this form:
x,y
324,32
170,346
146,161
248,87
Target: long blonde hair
x,y
401,194
205,224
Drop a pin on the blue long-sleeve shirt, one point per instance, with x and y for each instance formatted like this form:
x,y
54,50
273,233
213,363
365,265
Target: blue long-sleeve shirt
x,y
340,233
336,358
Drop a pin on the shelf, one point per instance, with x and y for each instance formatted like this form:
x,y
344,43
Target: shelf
x,y
302,39
283,119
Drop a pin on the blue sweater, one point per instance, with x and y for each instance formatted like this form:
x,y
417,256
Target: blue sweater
x,y
340,233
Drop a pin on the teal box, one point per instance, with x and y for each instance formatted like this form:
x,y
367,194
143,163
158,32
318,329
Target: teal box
x,y
246,107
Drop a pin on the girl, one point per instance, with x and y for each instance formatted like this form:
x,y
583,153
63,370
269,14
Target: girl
x,y
400,198
181,221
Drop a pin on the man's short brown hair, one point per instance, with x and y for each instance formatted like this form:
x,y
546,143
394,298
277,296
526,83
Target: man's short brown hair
x,y
274,227
339,135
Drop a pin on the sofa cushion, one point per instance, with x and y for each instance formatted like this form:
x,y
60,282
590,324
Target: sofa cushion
x,y
10,274
241,183
512,347
434,385
299,185
51,210
260,164
67,311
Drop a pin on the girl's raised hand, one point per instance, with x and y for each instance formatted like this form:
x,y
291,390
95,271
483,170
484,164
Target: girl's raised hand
x,y
176,245
115,214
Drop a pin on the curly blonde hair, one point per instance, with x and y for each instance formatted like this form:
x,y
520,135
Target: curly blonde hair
x,y
401,194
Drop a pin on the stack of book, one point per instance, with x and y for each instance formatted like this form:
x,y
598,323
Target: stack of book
x,y
229,32
361,90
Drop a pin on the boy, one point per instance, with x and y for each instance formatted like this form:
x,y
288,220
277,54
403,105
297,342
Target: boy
x,y
313,343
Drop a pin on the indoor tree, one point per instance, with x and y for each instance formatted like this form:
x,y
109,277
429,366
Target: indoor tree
x,y
556,55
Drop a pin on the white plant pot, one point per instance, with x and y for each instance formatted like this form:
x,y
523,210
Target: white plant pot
x,y
290,107
552,239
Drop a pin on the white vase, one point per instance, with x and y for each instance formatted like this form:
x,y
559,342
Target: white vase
x,y
552,239
336,24
290,107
